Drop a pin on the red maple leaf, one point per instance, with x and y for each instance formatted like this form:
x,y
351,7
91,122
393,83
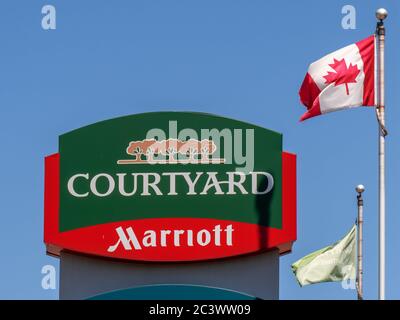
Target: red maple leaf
x,y
342,74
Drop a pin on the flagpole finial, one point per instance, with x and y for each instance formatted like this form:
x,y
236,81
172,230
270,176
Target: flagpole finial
x,y
381,14
360,188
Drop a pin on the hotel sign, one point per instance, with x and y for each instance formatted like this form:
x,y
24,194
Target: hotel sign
x,y
170,186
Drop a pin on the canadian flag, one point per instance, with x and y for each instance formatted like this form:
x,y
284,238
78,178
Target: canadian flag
x,y
341,80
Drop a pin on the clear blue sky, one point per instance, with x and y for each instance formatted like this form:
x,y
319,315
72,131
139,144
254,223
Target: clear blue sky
x,y
241,59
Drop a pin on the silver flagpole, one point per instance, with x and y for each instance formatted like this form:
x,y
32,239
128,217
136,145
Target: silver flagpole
x,y
381,14
360,204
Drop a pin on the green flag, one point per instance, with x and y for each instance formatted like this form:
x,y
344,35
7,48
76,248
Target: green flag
x,y
336,262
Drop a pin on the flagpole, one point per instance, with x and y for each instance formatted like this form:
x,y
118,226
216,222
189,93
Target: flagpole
x,y
360,204
381,14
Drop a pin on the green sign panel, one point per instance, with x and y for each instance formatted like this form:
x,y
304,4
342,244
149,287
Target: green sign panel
x,y
155,186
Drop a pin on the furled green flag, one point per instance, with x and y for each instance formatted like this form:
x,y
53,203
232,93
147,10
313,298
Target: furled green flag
x,y
336,262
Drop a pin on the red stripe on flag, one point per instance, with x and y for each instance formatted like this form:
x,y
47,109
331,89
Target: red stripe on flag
x,y
366,48
309,93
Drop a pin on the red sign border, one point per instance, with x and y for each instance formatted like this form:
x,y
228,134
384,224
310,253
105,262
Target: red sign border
x,y
274,238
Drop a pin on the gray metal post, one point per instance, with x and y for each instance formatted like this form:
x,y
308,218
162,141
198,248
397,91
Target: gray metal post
x,y
360,204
